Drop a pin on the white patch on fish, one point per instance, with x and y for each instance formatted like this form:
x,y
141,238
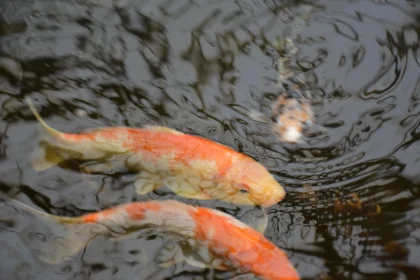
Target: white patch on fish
x,y
292,134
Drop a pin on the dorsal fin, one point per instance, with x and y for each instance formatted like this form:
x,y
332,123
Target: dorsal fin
x,y
159,128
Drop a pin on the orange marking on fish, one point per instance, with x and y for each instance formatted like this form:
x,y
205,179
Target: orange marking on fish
x,y
136,210
154,144
242,245
91,218
97,216
111,133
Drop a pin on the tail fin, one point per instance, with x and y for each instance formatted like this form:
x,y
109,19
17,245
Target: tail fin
x,y
49,129
62,239
44,157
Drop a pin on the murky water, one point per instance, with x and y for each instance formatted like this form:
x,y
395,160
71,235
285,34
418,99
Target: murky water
x,y
352,210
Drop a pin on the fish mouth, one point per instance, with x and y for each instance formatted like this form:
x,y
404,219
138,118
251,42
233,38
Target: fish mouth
x,y
270,200
265,199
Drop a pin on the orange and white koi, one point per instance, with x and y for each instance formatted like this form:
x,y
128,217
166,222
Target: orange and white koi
x,y
292,113
191,166
217,239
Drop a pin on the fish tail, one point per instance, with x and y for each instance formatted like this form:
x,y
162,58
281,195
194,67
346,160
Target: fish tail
x,y
43,156
29,209
58,219
48,128
64,237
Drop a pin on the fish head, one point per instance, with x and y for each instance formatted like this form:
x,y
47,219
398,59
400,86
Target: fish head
x,y
252,184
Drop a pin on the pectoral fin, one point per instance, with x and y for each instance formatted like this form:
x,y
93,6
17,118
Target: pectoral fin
x,y
174,252
44,157
108,166
169,254
185,188
201,257
102,167
147,182
256,218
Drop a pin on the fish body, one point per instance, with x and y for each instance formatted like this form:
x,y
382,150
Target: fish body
x,y
292,113
228,242
191,166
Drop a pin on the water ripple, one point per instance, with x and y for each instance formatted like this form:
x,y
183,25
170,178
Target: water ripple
x,y
201,67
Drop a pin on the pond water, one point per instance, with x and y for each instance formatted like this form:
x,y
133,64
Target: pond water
x,y
352,209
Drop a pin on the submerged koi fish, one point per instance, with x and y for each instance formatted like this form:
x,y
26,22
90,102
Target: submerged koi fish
x,y
292,114
217,240
191,166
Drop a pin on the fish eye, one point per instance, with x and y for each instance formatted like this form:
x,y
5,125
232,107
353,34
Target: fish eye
x,y
243,188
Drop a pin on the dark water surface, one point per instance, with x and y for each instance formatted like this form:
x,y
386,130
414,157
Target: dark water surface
x,y
353,204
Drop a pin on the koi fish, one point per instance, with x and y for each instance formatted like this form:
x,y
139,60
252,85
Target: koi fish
x,y
217,239
191,166
292,113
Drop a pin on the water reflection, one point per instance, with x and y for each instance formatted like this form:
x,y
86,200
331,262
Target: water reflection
x,y
199,67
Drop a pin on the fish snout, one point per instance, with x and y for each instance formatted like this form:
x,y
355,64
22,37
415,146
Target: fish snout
x,y
273,197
